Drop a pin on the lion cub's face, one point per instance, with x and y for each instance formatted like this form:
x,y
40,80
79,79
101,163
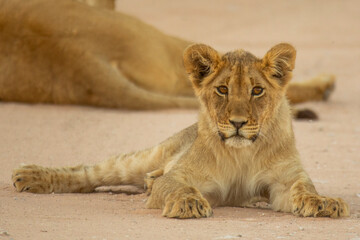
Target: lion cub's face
x,y
239,91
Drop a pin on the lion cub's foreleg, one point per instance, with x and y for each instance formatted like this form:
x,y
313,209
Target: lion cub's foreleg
x,y
177,199
302,200
309,204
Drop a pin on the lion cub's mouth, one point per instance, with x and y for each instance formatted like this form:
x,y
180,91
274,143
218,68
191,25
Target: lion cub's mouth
x,y
239,138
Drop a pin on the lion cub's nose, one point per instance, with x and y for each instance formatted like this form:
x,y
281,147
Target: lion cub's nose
x,y
238,124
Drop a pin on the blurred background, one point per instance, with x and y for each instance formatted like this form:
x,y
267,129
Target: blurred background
x,y
326,33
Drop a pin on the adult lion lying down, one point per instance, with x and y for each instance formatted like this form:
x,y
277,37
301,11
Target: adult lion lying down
x,y
61,51
242,149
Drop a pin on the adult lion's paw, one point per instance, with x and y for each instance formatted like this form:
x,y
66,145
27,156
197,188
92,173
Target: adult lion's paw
x,y
186,205
312,205
326,85
31,178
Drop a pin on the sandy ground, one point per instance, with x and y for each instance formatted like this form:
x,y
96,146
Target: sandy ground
x,y
326,34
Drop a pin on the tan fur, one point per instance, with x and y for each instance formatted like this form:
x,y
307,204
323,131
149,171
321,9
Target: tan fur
x,y
65,52
106,4
241,150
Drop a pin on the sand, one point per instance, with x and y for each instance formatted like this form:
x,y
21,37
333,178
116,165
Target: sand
x,y
326,35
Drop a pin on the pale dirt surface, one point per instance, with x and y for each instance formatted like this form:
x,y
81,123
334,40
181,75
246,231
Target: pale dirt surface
x,y
327,36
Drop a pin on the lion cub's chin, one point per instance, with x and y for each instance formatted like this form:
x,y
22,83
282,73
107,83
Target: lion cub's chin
x,y
238,142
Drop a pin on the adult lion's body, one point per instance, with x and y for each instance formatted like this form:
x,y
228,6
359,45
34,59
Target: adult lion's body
x,y
241,150
69,53
62,51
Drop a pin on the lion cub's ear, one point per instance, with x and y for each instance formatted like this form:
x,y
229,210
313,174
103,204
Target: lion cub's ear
x,y
278,63
200,61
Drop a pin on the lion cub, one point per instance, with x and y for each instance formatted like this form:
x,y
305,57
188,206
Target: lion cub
x,y
241,149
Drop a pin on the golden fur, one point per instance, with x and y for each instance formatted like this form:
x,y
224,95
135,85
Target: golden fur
x,y
65,52
106,4
242,149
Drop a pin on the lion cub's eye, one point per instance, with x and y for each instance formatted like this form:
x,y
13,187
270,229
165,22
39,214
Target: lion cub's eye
x,y
256,91
222,90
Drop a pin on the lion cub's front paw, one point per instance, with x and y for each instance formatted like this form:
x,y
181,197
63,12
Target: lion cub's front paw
x,y
186,205
312,205
31,178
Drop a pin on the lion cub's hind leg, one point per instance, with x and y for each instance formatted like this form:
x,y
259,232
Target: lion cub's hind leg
x,y
37,179
31,178
150,178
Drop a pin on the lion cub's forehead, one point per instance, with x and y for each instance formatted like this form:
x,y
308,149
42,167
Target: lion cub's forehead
x,y
240,66
239,57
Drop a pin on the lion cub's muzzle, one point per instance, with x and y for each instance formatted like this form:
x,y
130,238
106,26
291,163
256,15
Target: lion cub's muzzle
x,y
239,131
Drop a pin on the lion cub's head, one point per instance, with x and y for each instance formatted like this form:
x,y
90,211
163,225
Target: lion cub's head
x,y
240,92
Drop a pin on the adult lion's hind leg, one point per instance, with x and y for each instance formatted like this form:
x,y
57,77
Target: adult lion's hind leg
x,y
316,89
